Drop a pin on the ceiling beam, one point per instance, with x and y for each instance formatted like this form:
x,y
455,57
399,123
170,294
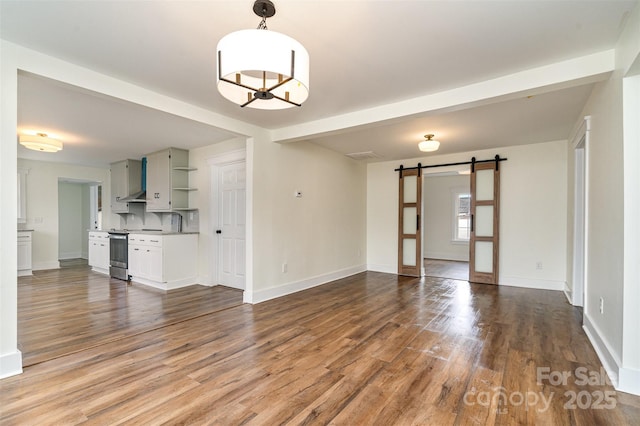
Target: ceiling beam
x,y
560,75
56,69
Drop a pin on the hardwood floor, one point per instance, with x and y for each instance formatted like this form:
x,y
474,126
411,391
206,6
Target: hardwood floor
x,y
66,310
447,269
369,349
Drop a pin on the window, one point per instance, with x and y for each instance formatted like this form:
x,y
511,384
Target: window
x,y
461,216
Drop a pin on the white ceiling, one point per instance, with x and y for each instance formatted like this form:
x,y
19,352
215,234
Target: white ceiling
x,y
363,54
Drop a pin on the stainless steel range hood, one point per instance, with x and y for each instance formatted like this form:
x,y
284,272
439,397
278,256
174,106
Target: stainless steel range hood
x,y
138,197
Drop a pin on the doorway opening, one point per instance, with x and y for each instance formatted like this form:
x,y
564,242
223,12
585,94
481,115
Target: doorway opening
x,y
79,210
446,224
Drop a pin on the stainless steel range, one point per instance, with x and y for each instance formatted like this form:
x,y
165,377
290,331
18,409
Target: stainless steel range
x,y
119,255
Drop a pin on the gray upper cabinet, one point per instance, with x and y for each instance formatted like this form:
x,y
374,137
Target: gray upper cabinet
x,y
168,180
126,179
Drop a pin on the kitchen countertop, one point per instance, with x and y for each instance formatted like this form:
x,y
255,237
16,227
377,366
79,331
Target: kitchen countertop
x,y
145,232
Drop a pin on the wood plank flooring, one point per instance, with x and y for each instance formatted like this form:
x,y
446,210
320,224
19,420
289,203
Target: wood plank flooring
x,y
453,269
65,310
369,349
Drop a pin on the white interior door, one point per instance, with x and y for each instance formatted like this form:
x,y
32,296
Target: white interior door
x,y
231,229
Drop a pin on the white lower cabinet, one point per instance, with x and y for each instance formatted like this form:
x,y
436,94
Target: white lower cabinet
x,y
163,261
99,251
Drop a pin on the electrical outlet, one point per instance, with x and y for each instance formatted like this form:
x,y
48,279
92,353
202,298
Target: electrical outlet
x,y
284,268
539,265
601,305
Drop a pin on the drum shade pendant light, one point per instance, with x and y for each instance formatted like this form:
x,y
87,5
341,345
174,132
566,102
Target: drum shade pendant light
x,y
260,68
429,145
40,142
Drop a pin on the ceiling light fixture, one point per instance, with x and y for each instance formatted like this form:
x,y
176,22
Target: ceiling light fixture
x,y
429,145
40,142
262,69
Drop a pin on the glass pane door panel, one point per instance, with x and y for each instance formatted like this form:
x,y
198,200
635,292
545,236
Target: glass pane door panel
x,y
484,221
484,256
409,221
484,185
409,252
410,189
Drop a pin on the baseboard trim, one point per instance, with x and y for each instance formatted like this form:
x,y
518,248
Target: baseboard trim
x,y
387,269
42,266
629,381
607,356
567,293
100,270
446,256
530,283
171,285
10,364
296,286
70,255
205,280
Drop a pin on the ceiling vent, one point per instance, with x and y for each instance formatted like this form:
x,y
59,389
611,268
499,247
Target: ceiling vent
x,y
366,155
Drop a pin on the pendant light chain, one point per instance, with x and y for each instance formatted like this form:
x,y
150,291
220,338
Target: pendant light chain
x,y
263,24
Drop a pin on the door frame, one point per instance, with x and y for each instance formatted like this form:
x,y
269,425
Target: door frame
x,y
580,145
215,164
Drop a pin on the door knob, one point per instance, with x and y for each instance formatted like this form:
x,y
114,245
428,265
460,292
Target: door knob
x,y
218,231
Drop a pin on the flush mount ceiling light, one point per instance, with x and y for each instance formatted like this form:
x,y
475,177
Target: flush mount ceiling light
x,y
262,69
429,145
40,142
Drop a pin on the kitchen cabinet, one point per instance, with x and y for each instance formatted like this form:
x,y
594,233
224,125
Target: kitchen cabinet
x,y
168,180
126,179
99,251
24,253
163,261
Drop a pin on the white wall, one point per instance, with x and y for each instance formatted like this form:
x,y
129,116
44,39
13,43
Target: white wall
x,y
628,60
42,205
604,226
611,228
200,199
320,236
438,213
533,209
10,356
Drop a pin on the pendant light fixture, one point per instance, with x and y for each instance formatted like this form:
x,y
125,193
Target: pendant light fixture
x,y
429,145
260,68
40,142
